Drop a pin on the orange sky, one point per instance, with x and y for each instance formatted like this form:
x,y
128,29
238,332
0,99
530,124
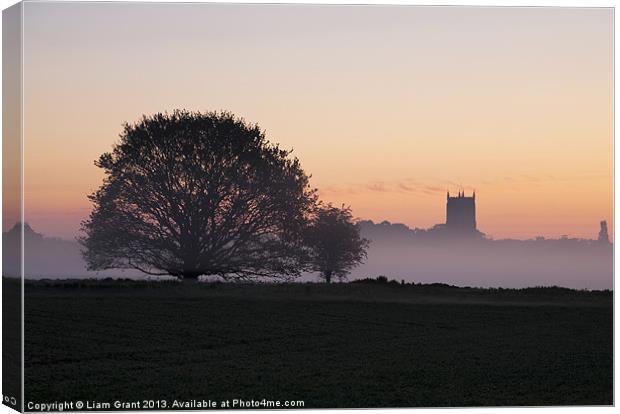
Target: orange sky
x,y
386,107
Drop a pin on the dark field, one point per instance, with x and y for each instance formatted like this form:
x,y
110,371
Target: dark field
x,y
353,345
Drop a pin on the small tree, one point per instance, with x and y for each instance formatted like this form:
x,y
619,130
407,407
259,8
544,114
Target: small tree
x,y
334,243
189,194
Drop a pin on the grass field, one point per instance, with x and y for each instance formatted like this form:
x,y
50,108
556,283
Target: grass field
x,y
353,345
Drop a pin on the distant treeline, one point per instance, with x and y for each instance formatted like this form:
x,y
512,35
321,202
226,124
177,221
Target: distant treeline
x,y
378,281
555,290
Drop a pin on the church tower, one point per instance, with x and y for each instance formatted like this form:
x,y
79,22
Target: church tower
x,y
603,235
461,213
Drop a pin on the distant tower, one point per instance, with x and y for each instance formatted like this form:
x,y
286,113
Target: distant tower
x,y
461,213
603,235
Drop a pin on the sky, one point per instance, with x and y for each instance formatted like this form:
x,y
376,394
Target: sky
x,y
387,107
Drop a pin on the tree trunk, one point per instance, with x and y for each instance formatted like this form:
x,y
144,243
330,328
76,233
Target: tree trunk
x,y
189,281
190,276
328,277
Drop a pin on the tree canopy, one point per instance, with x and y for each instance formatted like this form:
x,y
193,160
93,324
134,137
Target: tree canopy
x,y
189,194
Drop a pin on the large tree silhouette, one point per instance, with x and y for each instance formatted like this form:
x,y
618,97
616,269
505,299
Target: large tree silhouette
x,y
334,243
189,194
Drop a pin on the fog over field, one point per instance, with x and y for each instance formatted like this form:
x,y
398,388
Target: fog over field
x,y
396,252
403,254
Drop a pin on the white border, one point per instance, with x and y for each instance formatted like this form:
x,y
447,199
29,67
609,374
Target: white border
x,y
504,3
